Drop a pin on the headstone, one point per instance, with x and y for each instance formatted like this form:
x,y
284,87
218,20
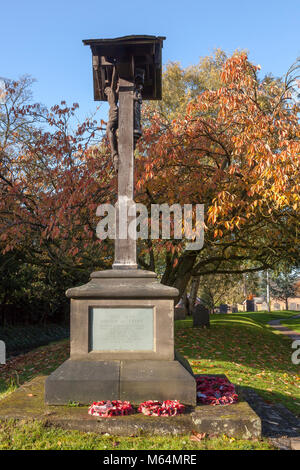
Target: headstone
x,y
235,309
223,308
180,313
201,316
250,306
2,352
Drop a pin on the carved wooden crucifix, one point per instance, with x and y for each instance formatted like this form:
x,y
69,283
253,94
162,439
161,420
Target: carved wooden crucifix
x,y
124,69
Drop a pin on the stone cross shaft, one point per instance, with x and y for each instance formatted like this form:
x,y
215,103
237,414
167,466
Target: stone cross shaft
x,y
125,247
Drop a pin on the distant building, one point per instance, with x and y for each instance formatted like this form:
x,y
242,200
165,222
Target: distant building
x,y
260,303
256,304
293,304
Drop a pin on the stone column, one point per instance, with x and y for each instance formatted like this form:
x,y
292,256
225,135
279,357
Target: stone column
x,y
125,247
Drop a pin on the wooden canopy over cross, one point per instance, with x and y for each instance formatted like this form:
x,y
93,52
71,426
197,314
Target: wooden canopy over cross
x,y
124,70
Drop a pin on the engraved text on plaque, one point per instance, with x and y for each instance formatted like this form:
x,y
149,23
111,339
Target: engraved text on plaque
x,y
121,329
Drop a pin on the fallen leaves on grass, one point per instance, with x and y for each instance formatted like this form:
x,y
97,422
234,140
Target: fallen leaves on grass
x,y
197,437
252,356
41,361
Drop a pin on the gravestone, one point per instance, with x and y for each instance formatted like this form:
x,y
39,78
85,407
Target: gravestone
x,y
2,352
250,306
223,308
180,312
201,316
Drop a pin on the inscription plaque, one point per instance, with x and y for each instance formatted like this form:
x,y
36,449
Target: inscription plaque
x,y
121,329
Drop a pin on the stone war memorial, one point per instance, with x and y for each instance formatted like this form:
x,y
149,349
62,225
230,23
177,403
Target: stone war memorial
x,y
122,320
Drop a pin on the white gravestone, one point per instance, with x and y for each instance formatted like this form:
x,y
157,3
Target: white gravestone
x,y
2,352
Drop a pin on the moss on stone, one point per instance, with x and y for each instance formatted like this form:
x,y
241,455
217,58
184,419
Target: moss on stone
x,y
27,403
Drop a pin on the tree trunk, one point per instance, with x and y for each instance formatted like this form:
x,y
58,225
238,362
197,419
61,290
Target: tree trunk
x,y
194,291
180,275
268,292
186,303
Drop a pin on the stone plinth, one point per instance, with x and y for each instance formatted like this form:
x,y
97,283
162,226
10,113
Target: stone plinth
x,y
26,403
122,343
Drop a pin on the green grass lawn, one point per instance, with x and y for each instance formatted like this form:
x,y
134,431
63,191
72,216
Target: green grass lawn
x,y
245,348
262,318
240,345
35,436
293,323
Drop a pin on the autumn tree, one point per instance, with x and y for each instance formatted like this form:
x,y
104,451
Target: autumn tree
x,y
236,150
48,173
232,143
53,175
181,85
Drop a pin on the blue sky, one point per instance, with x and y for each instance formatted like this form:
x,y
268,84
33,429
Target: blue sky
x,y
44,38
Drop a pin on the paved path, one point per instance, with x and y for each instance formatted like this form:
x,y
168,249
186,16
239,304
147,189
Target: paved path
x,y
279,424
285,330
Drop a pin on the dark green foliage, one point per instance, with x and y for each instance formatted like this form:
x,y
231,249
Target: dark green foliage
x,y
34,293
20,339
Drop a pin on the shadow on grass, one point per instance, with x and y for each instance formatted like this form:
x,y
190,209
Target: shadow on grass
x,y
276,419
6,388
252,318
21,339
